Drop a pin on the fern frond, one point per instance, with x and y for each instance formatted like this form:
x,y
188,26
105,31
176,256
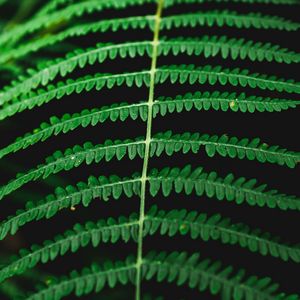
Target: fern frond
x,y
71,86
103,231
224,146
139,22
220,101
40,63
183,268
53,5
70,12
216,227
181,74
239,190
212,75
79,58
70,196
69,122
228,18
90,280
180,180
161,142
73,158
228,48
147,21
218,18
165,223
209,46
178,267
161,106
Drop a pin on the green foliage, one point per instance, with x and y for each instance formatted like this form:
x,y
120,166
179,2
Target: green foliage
x,y
164,223
209,46
42,59
72,158
228,18
239,190
161,106
77,31
228,48
70,196
73,11
224,146
55,4
48,71
87,83
176,267
182,74
162,142
236,77
166,180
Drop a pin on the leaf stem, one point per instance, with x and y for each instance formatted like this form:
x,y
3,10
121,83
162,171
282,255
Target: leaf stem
x,y
155,42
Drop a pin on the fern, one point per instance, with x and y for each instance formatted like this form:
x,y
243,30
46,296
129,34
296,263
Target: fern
x,y
208,19
202,61
115,186
181,74
171,223
53,5
173,267
101,26
210,46
221,18
72,11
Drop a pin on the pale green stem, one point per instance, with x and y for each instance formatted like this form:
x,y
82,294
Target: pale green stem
x,y
155,42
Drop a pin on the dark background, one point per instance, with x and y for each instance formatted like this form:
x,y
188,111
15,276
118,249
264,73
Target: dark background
x,y
273,128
